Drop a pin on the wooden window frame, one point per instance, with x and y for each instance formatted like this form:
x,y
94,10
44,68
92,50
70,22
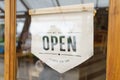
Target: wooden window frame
x,y
113,54
10,40
113,47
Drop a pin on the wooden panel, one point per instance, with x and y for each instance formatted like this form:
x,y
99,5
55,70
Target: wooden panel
x,y
113,57
10,40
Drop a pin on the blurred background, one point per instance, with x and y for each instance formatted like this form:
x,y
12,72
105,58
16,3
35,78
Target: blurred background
x,y
92,69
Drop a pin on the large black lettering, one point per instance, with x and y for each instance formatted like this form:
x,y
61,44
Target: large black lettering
x,y
61,43
72,43
45,43
54,41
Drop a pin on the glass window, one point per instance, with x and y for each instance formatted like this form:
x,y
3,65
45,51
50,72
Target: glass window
x,y
31,68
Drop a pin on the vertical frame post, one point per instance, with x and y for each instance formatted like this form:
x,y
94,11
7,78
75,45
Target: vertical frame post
x,y
10,40
113,56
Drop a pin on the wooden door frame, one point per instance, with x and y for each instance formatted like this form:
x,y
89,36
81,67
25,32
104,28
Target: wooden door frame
x,y
10,40
113,54
113,47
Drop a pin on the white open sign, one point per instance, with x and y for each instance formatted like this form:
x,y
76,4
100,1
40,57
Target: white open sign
x,y
63,40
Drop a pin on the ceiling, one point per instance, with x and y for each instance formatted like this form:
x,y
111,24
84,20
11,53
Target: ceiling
x,y
24,5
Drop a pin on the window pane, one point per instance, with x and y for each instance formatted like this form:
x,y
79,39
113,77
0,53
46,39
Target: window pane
x,y
32,68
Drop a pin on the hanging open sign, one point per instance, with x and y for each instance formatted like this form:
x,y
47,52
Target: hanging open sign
x,y
63,40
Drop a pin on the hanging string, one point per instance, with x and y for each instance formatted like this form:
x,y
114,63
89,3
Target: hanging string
x,y
62,14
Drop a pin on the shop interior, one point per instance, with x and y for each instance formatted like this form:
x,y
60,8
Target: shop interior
x,y
92,69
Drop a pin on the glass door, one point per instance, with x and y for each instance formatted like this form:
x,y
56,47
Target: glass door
x,y
32,68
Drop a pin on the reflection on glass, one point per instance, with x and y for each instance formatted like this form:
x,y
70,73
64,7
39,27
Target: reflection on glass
x,y
1,51
31,68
